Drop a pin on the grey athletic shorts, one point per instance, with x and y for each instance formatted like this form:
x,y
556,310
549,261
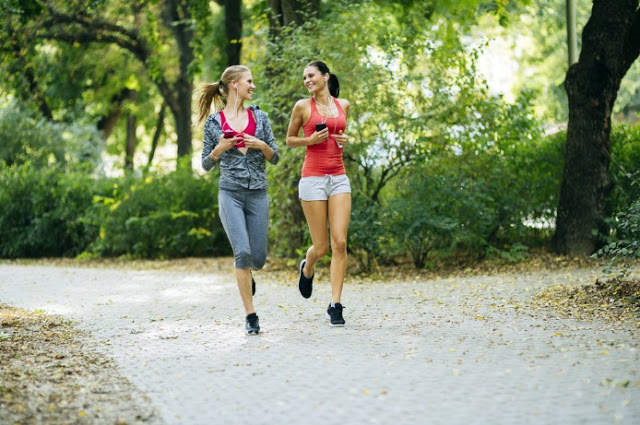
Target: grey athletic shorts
x,y
321,188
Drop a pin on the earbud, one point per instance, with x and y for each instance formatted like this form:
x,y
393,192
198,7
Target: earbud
x,y
235,86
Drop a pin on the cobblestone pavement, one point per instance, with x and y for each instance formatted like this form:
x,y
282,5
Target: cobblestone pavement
x,y
451,351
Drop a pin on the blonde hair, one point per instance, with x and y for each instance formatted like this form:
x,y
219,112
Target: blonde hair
x,y
216,92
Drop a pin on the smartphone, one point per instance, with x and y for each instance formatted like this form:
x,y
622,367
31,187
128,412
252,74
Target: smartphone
x,y
321,126
239,143
229,134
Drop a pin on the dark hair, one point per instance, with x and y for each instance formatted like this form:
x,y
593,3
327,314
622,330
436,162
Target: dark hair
x,y
334,84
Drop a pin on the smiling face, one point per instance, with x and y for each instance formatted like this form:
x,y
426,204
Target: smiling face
x,y
313,80
244,85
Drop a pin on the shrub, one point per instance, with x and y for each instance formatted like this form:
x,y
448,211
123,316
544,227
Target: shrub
x,y
157,217
42,211
366,231
626,245
26,138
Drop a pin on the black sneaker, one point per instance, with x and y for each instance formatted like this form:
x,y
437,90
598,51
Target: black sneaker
x,y
335,315
305,284
253,285
253,325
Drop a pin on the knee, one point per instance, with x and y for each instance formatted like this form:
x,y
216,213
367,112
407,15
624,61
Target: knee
x,y
321,249
339,246
258,262
242,260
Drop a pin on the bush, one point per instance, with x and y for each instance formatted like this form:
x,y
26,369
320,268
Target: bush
x,y
624,168
158,217
422,217
367,233
43,143
626,245
52,212
42,212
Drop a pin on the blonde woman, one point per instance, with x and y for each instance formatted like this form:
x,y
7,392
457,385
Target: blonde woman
x,y
239,141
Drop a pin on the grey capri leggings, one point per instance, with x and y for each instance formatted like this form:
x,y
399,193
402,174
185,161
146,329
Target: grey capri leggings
x,y
245,217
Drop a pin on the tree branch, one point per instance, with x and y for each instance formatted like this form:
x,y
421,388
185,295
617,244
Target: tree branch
x,y
58,29
178,18
83,37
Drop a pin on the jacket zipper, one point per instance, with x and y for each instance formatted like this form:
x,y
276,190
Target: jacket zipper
x,y
246,161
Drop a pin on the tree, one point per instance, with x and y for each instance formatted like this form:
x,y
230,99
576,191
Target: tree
x,y
291,13
232,29
141,28
610,45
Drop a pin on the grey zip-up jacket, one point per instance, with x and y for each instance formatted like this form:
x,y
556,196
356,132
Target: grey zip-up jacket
x,y
238,171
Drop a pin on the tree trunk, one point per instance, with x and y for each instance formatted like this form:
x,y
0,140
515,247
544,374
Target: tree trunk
x,y
156,134
287,12
108,122
233,30
177,16
132,142
610,44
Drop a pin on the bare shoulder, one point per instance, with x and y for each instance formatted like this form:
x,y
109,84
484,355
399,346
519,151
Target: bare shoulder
x,y
302,104
345,104
302,109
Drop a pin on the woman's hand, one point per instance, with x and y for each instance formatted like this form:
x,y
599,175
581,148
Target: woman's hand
x,y
252,142
228,143
318,137
341,139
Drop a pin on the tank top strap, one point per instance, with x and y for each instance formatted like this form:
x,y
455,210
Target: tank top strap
x,y
314,108
224,125
340,110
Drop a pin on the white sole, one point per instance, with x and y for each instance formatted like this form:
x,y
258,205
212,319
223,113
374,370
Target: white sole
x,y
331,324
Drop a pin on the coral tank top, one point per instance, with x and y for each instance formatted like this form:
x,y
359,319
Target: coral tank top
x,y
324,158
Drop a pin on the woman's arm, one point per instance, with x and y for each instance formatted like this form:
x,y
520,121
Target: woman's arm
x,y
298,117
271,150
210,142
213,147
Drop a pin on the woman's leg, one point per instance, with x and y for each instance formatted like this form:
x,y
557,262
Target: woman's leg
x,y
339,215
257,219
243,277
231,208
315,213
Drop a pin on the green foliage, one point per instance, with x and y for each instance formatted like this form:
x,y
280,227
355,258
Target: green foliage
x,y
624,204
52,211
42,211
26,138
368,232
438,165
174,215
627,241
424,215
624,167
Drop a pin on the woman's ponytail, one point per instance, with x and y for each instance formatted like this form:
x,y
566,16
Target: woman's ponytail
x,y
334,85
209,93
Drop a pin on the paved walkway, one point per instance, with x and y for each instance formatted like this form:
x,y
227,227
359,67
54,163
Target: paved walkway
x,y
438,352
